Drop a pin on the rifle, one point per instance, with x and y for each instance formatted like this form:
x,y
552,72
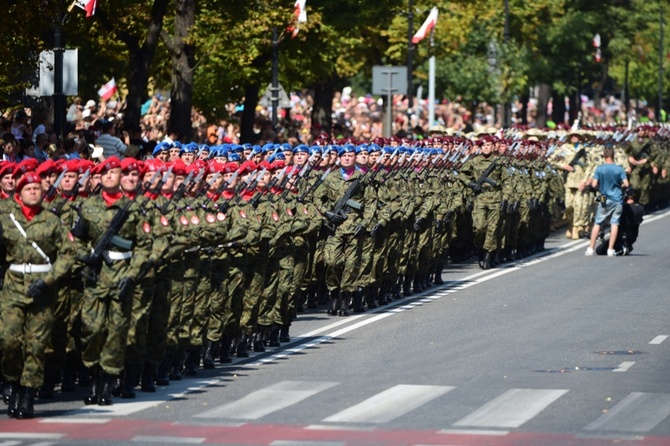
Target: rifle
x,y
318,182
179,193
484,177
576,160
53,188
73,193
257,196
93,261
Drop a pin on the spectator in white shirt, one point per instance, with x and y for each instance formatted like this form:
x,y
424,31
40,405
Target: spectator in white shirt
x,y
111,145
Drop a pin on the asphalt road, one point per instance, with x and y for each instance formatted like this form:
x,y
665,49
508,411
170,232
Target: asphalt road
x,y
557,349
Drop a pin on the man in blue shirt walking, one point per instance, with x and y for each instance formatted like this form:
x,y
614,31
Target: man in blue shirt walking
x,y
609,178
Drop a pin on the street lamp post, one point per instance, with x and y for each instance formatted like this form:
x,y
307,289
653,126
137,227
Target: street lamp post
x,y
410,50
660,68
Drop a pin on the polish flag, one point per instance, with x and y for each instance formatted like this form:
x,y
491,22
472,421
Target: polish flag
x,y
427,26
108,90
300,15
86,5
596,41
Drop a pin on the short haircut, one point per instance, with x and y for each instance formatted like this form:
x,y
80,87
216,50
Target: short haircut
x,y
608,152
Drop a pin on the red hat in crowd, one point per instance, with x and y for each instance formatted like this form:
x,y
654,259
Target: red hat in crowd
x,y
28,178
6,168
130,164
277,165
264,165
246,167
85,165
231,167
110,163
153,165
214,167
27,165
179,167
48,167
72,165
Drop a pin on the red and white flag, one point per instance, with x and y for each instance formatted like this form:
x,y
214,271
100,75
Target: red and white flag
x,y
300,15
596,45
86,5
108,90
427,26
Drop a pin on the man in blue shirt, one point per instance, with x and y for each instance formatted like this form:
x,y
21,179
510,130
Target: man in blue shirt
x,y
609,178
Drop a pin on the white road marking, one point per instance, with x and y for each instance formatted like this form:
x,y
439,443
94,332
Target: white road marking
x,y
328,427
307,443
72,420
512,409
624,366
270,399
473,432
171,440
30,436
658,339
638,412
389,404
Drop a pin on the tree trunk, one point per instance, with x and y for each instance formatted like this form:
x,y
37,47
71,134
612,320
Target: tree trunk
x,y
183,65
322,111
140,58
249,113
558,112
524,109
542,101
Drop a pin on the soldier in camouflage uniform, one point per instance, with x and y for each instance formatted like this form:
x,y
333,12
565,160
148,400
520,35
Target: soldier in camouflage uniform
x,y
39,251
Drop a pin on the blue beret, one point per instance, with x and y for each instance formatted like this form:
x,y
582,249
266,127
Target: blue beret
x,y
236,148
161,146
362,148
372,148
347,148
234,157
286,147
332,148
204,148
277,156
189,148
176,144
246,146
267,148
316,149
389,149
301,148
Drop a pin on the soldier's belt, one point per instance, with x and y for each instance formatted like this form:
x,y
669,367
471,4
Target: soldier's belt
x,y
29,268
114,255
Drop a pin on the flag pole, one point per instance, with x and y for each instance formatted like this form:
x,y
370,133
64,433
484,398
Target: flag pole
x,y
431,82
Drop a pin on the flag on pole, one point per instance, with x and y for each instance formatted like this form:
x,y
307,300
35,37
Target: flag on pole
x,y
300,15
86,5
427,26
108,90
596,45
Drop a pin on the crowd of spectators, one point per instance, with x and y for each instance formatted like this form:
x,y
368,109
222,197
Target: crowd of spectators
x,y
92,124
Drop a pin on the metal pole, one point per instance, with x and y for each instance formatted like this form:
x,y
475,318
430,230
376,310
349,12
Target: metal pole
x,y
58,97
410,51
660,69
431,91
506,107
626,95
275,76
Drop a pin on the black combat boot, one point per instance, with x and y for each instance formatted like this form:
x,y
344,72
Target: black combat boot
x,y
208,356
224,352
438,274
273,341
26,409
192,361
259,339
163,373
283,334
11,390
345,297
371,292
334,302
407,286
108,383
357,300
128,382
178,364
51,375
242,350
147,383
93,396
486,261
418,286
69,383
7,389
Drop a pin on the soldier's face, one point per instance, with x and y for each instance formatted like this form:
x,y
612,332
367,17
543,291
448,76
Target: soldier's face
x,y
68,181
203,155
188,158
373,157
362,158
265,179
487,148
347,159
31,194
178,180
45,182
7,183
95,180
130,180
228,177
111,178
288,156
173,154
217,182
163,155
300,158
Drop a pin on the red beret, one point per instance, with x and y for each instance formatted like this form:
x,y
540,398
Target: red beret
x,y
213,167
28,178
47,168
277,165
85,165
110,163
130,164
246,167
6,168
179,167
27,165
71,165
231,167
153,165
264,165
